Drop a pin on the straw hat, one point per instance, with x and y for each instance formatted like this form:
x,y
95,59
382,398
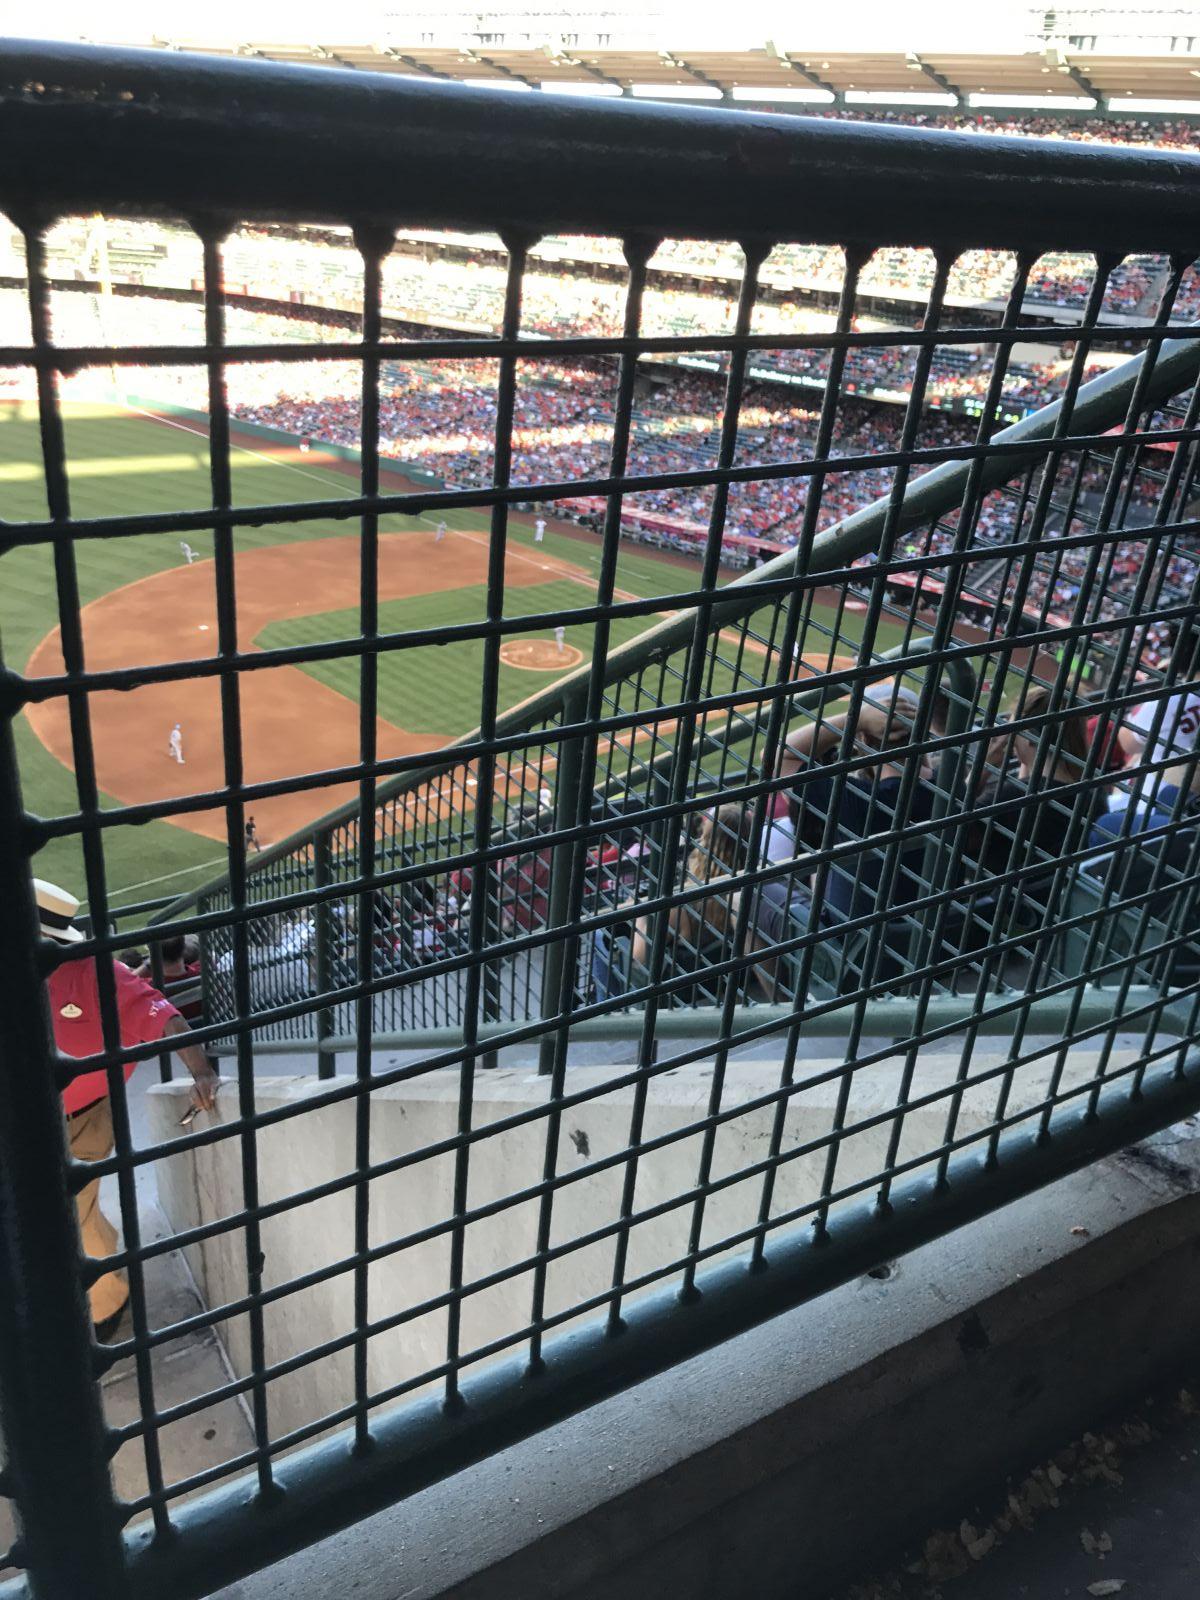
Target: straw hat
x,y
57,911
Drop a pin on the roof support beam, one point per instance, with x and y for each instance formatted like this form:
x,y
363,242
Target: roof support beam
x,y
1059,60
322,54
803,70
562,59
414,65
671,60
1083,82
499,67
915,63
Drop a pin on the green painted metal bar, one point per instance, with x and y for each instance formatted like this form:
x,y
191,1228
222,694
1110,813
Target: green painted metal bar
x,y
323,936
48,1396
568,789
887,1019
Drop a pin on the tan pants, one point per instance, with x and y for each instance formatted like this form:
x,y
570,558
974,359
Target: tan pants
x,y
90,1135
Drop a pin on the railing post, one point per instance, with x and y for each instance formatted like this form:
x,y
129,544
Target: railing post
x,y
491,887
938,852
566,813
659,830
54,1431
323,964
208,988
165,1070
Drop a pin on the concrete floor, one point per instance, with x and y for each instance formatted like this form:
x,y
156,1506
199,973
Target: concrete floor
x,y
1116,1512
1151,1517
186,1368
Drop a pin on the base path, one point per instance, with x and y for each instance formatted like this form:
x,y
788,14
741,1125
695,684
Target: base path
x,y
291,723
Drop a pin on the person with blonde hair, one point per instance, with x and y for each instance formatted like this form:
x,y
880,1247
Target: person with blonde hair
x,y
700,930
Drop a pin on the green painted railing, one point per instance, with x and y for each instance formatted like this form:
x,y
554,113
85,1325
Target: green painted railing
x,y
886,818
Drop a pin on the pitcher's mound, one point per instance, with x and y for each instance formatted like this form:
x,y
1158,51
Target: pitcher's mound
x,y
539,655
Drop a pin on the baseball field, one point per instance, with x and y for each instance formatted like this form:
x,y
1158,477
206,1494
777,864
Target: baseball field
x,y
143,601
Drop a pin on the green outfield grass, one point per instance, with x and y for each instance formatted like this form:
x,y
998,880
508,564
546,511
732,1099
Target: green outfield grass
x,y
123,462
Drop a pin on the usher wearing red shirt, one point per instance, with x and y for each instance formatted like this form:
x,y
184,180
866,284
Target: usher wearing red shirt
x,y
144,1015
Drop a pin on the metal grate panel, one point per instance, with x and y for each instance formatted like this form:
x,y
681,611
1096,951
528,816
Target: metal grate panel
x,y
863,793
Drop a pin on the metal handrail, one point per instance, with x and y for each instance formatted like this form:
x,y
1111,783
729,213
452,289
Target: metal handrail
x,y
138,131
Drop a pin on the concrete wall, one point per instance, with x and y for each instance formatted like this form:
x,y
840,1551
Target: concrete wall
x,y
206,1183
830,1441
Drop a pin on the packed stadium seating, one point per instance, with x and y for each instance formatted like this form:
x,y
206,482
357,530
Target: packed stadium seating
x,y
439,415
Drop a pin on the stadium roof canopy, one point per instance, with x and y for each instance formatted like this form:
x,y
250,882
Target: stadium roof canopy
x,y
1051,73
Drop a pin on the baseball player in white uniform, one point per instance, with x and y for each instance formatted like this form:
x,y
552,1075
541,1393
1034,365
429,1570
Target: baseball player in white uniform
x,y
175,744
188,551
439,533
539,530
1174,740
1178,724
1165,729
560,639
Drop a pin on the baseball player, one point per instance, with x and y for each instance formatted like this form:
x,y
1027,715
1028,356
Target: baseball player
x,y
188,551
175,743
252,840
305,447
144,1015
439,533
539,530
560,639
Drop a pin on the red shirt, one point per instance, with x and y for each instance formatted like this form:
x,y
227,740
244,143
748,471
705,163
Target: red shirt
x,y
1112,757
75,1012
192,1011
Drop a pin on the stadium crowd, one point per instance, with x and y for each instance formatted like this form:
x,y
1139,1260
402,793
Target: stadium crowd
x,y
557,298
440,416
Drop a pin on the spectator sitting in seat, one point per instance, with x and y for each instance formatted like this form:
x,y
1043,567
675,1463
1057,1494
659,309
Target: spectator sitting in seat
x,y
175,969
700,930
1156,798
888,715
1034,775
893,791
1159,730
1060,822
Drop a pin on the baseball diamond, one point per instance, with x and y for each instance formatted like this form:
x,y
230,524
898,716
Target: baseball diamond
x,y
296,585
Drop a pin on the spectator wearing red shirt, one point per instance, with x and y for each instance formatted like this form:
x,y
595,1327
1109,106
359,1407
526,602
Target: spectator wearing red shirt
x,y
144,1016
